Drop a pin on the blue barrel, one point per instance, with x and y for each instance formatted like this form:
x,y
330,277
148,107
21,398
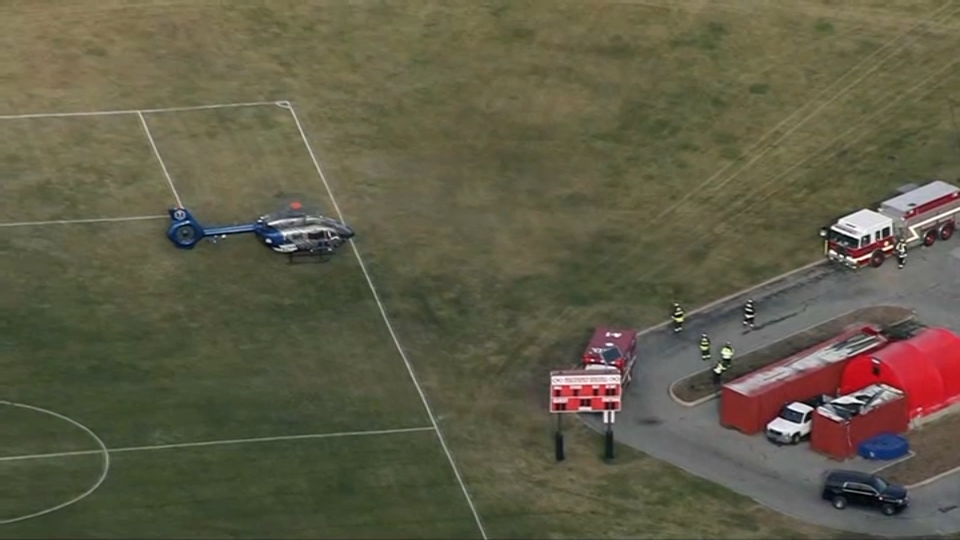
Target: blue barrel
x,y
884,447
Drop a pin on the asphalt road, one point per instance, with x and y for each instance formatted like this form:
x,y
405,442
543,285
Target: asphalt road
x,y
787,478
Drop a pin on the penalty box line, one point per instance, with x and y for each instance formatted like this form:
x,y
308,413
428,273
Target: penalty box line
x,y
225,442
80,221
156,154
389,325
119,112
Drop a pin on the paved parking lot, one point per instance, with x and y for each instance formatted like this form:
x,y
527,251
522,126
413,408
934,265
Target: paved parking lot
x,y
787,478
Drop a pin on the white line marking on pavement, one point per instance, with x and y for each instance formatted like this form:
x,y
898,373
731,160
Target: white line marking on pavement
x,y
226,442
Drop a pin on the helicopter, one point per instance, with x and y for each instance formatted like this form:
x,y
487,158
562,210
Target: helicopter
x,y
291,230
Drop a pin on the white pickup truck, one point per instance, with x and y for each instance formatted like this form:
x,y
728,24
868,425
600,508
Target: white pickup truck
x,y
794,421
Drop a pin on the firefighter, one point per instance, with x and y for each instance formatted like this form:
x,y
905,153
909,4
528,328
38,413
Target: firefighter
x,y
901,252
718,373
726,355
677,318
704,348
749,314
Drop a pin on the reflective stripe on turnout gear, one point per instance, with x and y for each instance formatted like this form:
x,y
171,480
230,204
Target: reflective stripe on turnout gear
x,y
726,353
678,315
704,344
749,309
719,368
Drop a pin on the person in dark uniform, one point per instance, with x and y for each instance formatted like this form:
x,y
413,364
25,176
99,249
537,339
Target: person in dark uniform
x,y
704,348
749,314
726,355
718,373
901,252
677,318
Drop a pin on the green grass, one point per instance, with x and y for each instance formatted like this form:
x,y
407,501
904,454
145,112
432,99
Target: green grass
x,y
149,346
39,485
519,171
51,170
40,432
284,489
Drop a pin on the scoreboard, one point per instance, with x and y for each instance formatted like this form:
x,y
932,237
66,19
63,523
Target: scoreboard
x,y
585,391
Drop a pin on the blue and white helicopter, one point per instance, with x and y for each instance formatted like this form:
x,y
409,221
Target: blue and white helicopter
x,y
291,230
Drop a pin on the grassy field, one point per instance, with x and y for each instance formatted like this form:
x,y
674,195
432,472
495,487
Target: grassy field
x,y
519,171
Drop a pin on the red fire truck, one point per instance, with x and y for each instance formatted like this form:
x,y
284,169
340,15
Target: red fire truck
x,y
612,348
920,215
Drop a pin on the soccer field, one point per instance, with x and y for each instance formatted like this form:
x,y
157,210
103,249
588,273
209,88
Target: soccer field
x,y
517,172
221,384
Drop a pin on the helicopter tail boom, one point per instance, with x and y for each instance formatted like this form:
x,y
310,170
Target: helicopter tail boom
x,y
230,229
185,231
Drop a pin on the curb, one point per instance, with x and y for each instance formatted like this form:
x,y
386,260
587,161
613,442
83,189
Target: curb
x,y
695,403
897,461
705,399
933,479
910,455
936,416
787,511
741,292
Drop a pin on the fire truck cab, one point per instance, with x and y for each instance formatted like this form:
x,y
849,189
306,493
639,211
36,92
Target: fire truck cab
x,y
919,215
612,347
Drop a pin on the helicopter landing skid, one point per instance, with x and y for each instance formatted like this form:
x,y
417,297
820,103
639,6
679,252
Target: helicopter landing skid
x,y
301,257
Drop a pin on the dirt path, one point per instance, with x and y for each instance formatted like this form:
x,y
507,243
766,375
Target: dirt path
x,y
700,385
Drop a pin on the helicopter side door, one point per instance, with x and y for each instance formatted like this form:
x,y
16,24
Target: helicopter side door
x,y
321,238
295,236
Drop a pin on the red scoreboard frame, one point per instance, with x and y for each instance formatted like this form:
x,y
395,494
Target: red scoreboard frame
x,y
585,391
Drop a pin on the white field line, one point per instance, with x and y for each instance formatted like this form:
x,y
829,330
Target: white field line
x,y
213,106
228,442
78,221
156,153
389,325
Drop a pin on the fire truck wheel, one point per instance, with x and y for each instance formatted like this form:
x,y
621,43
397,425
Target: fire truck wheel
x,y
946,231
929,238
877,259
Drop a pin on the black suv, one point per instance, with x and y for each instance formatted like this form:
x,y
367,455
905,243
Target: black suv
x,y
863,489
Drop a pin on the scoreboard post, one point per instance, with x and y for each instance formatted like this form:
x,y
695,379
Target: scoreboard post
x,y
586,391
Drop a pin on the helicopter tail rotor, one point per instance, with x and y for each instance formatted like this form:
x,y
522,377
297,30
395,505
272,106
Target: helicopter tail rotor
x,y
185,231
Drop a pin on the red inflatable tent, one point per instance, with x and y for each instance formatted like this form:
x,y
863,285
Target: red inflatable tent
x,y
926,367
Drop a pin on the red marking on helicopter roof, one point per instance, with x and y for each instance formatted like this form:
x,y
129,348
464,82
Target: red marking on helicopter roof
x,y
295,205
